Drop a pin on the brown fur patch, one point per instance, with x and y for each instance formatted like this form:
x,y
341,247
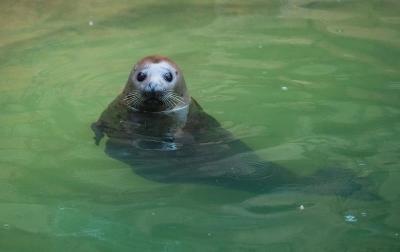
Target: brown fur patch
x,y
156,59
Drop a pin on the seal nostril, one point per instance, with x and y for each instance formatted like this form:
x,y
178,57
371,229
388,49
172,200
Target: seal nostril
x,y
149,89
153,90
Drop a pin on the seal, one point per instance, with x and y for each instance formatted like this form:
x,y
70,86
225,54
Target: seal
x,y
158,129
153,103
164,134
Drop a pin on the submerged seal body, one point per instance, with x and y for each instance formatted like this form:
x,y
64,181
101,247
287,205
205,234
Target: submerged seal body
x,y
164,135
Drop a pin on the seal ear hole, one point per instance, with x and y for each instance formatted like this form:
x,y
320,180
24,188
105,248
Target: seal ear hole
x,y
141,76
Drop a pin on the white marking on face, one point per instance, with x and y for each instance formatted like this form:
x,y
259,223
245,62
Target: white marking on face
x,y
155,73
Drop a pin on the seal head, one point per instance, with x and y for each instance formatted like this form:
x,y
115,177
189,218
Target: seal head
x,y
155,84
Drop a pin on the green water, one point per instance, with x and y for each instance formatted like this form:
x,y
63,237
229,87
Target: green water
x,y
307,84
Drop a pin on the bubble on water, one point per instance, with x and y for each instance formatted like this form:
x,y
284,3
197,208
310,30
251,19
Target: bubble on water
x,y
350,218
301,207
153,213
284,88
363,214
209,234
91,23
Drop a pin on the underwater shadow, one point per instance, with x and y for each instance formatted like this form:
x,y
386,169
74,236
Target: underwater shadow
x,y
200,151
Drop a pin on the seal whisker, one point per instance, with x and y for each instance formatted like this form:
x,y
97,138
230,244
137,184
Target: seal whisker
x,y
170,101
133,99
133,94
175,95
134,104
173,102
130,100
163,100
176,99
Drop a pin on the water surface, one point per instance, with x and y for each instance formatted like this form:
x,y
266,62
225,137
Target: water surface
x,y
306,84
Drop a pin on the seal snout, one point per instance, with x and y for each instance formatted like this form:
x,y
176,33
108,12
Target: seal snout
x,y
152,97
153,91
152,103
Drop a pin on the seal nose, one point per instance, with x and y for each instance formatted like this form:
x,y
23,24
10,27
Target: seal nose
x,y
152,90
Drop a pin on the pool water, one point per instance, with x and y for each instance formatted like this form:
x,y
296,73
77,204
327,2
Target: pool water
x,y
306,84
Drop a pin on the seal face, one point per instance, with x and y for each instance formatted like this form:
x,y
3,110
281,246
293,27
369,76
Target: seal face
x,y
155,84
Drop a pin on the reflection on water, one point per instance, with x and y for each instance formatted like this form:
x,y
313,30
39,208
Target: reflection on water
x,y
62,62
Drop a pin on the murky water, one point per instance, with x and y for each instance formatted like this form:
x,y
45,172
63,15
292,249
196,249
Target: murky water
x,y
309,85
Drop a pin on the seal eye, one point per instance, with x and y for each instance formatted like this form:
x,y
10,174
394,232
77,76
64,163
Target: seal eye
x,y
168,76
141,76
